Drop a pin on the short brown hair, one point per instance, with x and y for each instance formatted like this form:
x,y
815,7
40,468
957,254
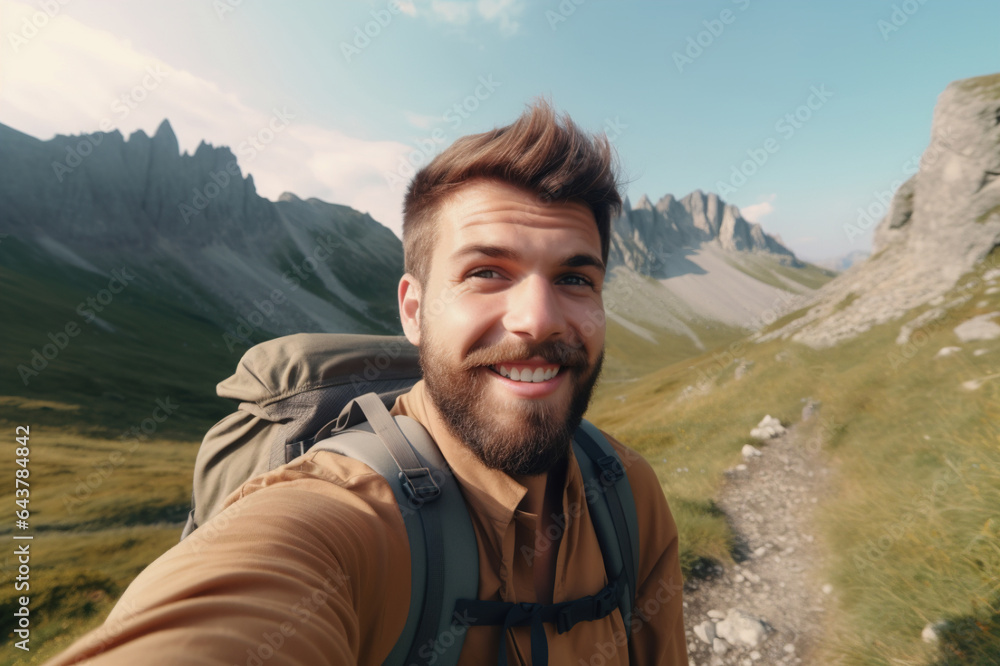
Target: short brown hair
x,y
556,160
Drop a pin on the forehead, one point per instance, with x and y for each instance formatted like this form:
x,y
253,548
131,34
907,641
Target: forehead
x,y
490,211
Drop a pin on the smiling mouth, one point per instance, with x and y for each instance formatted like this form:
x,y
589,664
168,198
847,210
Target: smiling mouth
x,y
527,374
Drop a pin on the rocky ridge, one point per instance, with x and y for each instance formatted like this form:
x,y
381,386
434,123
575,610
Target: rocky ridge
x,y
646,238
940,224
193,229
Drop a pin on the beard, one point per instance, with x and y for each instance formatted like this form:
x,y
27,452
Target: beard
x,y
515,436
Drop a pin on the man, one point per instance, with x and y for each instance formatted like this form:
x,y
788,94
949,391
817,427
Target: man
x,y
506,238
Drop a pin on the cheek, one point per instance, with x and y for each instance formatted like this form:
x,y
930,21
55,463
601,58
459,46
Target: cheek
x,y
463,320
589,322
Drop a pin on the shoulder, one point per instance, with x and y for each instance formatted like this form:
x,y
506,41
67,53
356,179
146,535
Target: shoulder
x,y
640,473
657,527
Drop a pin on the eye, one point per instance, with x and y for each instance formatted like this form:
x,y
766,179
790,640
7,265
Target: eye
x,y
484,273
576,280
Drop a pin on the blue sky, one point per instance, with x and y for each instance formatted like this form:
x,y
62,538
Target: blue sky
x,y
684,89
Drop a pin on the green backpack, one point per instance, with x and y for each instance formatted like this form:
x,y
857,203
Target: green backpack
x,y
315,391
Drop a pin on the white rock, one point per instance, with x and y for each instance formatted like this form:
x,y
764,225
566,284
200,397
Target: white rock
x,y
828,589
972,384
751,451
947,351
992,290
755,655
705,632
716,614
991,274
768,428
932,632
789,648
759,552
719,646
979,328
980,352
740,628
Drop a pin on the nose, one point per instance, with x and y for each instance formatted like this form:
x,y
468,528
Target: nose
x,y
534,310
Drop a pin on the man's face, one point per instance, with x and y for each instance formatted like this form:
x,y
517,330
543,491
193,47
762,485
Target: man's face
x,y
510,322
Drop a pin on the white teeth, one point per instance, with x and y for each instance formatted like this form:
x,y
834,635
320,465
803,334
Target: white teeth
x,y
527,375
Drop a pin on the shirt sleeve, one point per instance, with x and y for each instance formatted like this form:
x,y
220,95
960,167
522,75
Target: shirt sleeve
x,y
657,621
287,574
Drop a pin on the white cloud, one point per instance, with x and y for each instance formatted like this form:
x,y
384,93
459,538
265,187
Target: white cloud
x,y
502,11
407,7
71,78
755,212
460,12
452,11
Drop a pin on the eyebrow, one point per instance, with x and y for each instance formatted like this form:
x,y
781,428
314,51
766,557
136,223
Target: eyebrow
x,y
496,252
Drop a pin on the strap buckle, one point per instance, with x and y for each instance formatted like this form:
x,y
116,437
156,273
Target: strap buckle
x,y
419,485
611,470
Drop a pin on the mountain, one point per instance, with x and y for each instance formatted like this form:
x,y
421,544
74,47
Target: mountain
x,y
215,262
940,224
689,274
647,238
844,261
194,230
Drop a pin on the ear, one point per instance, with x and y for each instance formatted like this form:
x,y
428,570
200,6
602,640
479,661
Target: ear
x,y
409,307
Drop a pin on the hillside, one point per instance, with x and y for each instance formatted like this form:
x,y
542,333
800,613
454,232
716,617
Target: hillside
x,y
889,375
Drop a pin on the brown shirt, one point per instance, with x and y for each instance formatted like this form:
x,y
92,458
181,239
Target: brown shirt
x,y
309,564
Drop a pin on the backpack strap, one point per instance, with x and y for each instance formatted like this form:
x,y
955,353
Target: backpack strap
x,y
442,570
615,519
613,514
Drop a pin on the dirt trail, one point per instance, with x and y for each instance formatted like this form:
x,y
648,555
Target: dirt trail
x,y
769,503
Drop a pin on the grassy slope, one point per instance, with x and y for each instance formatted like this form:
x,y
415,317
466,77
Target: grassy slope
x,y
159,350
896,422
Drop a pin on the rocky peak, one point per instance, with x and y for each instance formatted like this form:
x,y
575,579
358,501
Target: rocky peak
x,y
100,188
940,224
645,236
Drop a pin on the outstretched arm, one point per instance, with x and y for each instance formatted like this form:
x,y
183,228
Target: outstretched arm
x,y
297,570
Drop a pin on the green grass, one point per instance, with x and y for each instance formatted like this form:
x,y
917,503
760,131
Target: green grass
x,y
995,211
767,269
97,521
894,421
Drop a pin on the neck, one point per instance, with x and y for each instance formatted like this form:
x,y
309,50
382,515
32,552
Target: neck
x,y
544,496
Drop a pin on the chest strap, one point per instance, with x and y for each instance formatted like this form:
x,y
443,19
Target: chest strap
x,y
564,615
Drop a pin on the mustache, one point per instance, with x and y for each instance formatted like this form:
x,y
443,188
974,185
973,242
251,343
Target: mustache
x,y
555,351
